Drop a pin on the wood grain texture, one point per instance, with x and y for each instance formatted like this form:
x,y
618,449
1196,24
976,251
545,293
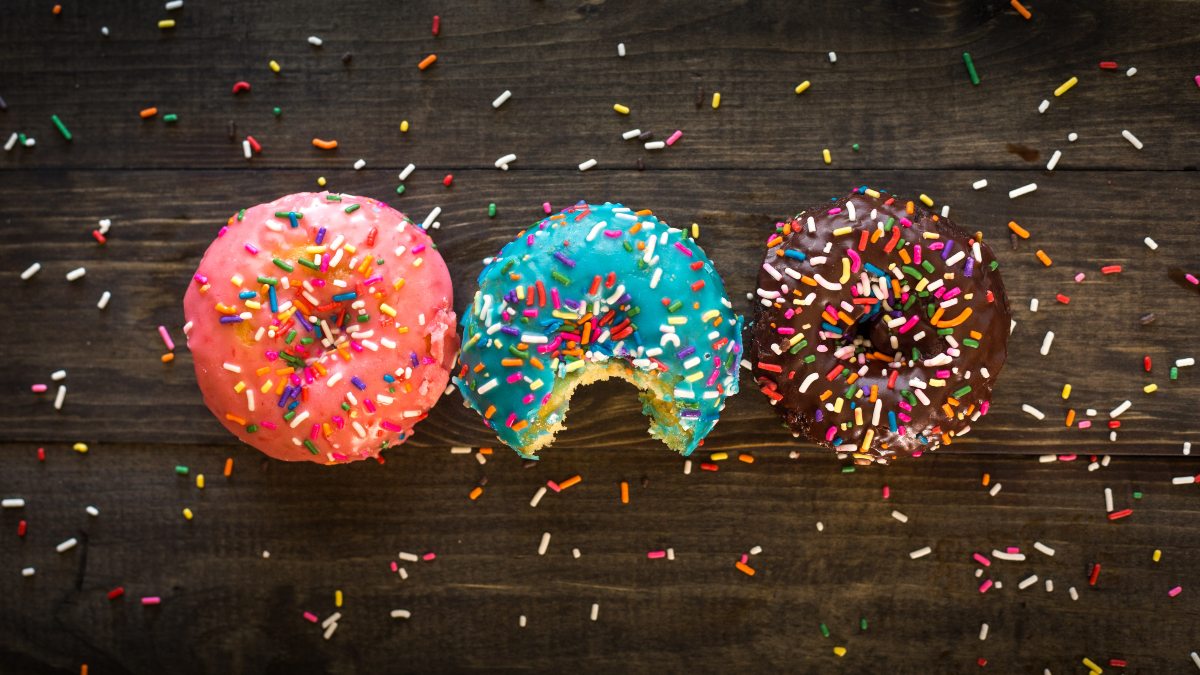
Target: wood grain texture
x,y
118,391
899,87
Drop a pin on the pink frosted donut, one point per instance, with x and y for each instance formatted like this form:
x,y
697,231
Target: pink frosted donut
x,y
321,326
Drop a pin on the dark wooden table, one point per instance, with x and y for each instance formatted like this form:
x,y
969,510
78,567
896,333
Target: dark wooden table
x,y
896,110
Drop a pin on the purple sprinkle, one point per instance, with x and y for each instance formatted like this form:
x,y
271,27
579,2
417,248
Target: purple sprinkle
x,y
946,249
283,398
564,259
969,267
686,352
511,330
412,356
819,415
358,383
689,413
231,319
320,236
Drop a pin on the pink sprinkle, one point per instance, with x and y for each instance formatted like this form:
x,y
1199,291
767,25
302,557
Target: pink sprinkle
x,y
200,278
1192,278
554,297
151,600
655,555
1013,549
981,559
395,567
312,434
887,492
983,407
745,558
390,426
674,137
428,556
166,338
834,211
985,586
1067,458
553,486
310,616
251,248
1175,591
38,388
268,425
830,434
1079,277
908,325
1198,80
1084,424
546,207
683,249
221,232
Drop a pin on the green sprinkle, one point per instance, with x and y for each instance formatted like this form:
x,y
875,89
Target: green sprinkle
x,y
962,392
282,265
632,313
1174,373
628,247
277,111
973,344
333,198
512,349
850,391
311,448
971,68
268,280
945,331
352,208
854,147
363,318
674,306
560,277
1137,494
181,470
888,225
251,428
798,347
345,406
994,265
170,118
241,214
912,272
289,415
845,469
289,214
928,266
400,189
62,128
309,264
824,628
290,336
810,358
492,210
862,624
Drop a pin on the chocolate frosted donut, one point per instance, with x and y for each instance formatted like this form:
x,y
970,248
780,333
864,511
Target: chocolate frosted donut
x,y
881,326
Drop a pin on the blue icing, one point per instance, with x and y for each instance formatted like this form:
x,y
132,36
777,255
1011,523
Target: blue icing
x,y
587,286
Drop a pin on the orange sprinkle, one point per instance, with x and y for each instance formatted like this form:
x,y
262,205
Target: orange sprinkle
x,y
148,112
749,459
512,363
1018,230
168,357
491,410
324,145
1070,417
475,493
234,418
1021,9
427,61
573,480
748,570
228,466
58,10
485,451
624,492
987,478
1044,258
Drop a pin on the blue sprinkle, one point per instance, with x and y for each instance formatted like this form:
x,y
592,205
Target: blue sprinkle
x,y
388,377
830,327
342,297
874,270
793,253
246,295
892,421
273,298
292,217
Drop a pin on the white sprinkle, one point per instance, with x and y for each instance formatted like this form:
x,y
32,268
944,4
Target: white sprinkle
x,y
504,161
1022,191
812,377
1177,480
437,211
358,165
66,545
1046,459
246,151
537,496
521,621
1196,659
1187,448
595,610
1131,72
820,526
833,57
620,49
1153,245
315,41
995,490
104,298
59,397
1054,160
1004,555
1131,138
27,572
655,145
330,630
631,134
1185,362
501,99
232,367
756,550
1027,582
173,4
266,555
983,629
1108,500
575,553
58,375
1049,586
400,614
545,543
408,557
588,164
30,142
30,271
1033,304
331,619
671,553
920,553
76,273
1037,414
407,172
1046,342
92,511
1072,137
104,31
1043,548
12,141
900,516
687,467
13,503
460,450
1115,412
1043,106
1074,593
979,184
298,419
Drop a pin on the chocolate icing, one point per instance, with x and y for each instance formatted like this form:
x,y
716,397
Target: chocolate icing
x,y
815,323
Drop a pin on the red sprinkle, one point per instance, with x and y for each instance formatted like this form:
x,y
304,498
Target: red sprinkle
x,y
448,179
41,454
437,24
99,237
1063,299
1110,269
116,593
239,87
981,661
1117,663
253,144
1095,575
1146,363
1123,513
21,528
1108,65
709,467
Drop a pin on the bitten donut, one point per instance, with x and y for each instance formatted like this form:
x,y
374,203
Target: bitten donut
x,y
881,326
594,292
322,327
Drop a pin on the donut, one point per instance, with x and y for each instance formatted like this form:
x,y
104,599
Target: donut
x,y
321,327
880,326
591,293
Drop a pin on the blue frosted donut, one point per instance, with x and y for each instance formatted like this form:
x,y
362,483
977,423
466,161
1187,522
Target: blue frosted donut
x,y
594,292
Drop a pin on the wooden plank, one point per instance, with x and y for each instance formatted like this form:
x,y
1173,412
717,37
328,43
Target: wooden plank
x,y
899,87
120,392
226,608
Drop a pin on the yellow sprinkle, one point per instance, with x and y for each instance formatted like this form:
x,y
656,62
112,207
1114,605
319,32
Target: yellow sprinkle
x,y
387,309
719,456
695,230
236,280
240,386
200,481
166,23
1066,394
926,200
825,154
274,66
840,651
1157,555
716,100
80,447
623,109
698,375
321,181
842,230
475,493
404,126
803,87
1150,388
187,513
1066,86
337,598
1092,665
874,194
